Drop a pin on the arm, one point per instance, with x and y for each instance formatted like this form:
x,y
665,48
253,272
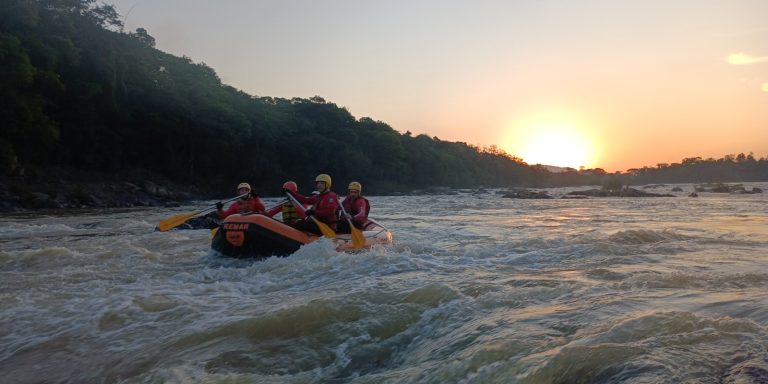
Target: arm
x,y
257,206
360,207
305,199
234,208
274,210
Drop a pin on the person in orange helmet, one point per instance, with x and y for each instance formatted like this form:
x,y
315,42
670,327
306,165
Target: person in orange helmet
x,y
289,212
248,202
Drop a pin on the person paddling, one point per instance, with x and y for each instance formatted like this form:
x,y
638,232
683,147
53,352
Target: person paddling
x,y
289,212
248,203
325,204
356,207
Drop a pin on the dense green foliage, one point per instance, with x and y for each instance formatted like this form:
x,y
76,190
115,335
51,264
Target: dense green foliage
x,y
78,94
76,91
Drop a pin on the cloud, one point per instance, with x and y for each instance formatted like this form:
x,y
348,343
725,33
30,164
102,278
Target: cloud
x,y
742,58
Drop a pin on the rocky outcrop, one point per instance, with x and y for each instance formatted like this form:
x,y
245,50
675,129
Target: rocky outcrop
x,y
624,192
726,188
68,189
526,194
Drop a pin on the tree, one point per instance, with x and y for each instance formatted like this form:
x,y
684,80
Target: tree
x,y
144,37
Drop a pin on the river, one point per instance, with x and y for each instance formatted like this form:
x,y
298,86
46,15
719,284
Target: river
x,y
475,289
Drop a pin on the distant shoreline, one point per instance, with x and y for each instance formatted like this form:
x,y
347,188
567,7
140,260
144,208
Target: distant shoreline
x,y
70,189
59,188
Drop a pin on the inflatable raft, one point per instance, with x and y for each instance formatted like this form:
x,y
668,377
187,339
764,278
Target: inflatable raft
x,y
258,236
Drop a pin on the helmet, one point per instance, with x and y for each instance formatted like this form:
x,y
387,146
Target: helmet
x,y
291,186
324,178
243,185
355,186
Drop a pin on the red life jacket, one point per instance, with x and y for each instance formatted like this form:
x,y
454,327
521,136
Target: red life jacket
x,y
249,204
353,209
325,205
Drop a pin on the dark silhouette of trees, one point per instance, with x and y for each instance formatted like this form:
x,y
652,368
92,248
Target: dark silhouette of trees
x,y
729,168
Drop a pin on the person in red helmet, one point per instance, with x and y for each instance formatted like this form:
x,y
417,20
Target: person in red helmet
x,y
324,206
249,202
289,212
357,208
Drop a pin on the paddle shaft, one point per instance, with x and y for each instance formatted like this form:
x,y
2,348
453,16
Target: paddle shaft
x,y
344,211
223,202
357,237
175,221
324,228
296,203
377,223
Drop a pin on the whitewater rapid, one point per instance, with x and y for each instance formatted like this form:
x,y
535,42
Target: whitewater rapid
x,y
475,289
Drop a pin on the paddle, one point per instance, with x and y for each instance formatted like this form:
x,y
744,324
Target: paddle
x,y
378,224
325,229
175,221
358,240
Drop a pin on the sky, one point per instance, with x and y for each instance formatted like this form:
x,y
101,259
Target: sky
x,y
594,83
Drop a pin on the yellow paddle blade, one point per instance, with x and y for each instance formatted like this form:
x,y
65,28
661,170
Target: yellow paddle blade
x,y
358,240
325,229
175,221
213,231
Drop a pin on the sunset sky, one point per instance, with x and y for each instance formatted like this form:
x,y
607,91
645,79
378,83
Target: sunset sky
x,y
610,84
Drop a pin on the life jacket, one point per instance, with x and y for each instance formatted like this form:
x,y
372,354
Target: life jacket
x,y
351,208
250,204
325,208
290,215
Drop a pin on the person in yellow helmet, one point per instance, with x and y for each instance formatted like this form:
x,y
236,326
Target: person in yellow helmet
x,y
248,202
357,208
324,205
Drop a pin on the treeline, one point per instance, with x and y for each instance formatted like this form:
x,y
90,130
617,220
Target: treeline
x,y
729,168
76,91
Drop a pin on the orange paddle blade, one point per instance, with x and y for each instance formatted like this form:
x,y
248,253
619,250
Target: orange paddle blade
x,y
324,228
358,240
175,221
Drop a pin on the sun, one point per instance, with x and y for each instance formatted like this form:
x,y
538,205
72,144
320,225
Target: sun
x,y
559,144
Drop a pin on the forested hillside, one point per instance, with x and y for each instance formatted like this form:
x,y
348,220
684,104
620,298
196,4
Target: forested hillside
x,y
78,92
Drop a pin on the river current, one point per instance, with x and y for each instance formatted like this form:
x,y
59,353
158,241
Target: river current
x,y
476,289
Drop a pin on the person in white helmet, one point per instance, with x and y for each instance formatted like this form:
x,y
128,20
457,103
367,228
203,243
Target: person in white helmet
x,y
249,202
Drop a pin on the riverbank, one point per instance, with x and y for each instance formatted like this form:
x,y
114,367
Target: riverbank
x,y
59,188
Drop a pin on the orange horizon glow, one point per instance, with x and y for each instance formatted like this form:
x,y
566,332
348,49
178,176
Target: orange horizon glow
x,y
552,139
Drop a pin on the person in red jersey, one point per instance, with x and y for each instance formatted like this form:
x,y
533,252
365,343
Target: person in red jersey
x,y
324,206
248,202
357,208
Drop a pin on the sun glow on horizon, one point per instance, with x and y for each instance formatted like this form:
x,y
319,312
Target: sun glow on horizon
x,y
553,143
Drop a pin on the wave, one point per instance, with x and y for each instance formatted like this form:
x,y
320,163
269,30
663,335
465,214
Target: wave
x,y
43,257
657,347
642,236
687,280
20,230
